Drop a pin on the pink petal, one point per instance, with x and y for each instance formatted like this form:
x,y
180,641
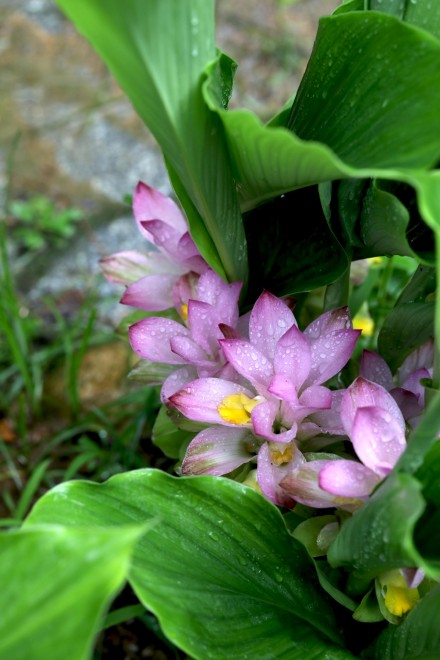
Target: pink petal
x,y
203,322
328,323
165,237
184,288
248,361
189,255
152,293
265,417
347,479
127,267
302,484
377,438
150,204
373,367
243,325
330,353
316,398
413,384
269,476
413,577
293,356
363,393
150,338
228,332
176,381
269,320
200,399
422,357
408,403
190,351
330,420
227,372
218,450
283,388
214,290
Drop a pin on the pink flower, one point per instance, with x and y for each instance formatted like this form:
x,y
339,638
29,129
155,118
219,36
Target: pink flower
x,y
409,393
193,346
280,374
160,279
375,425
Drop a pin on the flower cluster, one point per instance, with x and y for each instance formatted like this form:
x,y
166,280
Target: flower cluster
x,y
257,383
259,386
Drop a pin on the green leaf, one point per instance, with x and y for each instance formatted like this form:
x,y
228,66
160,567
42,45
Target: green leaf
x,y
220,570
418,636
168,437
422,13
427,536
288,255
421,285
268,160
157,50
371,92
384,221
406,327
150,373
422,439
368,610
56,585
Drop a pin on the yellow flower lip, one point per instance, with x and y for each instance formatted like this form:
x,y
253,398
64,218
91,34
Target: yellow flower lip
x,y
400,600
364,323
282,453
184,311
237,408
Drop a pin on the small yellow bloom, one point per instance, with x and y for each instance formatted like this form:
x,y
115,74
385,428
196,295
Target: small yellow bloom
x,y
399,600
375,261
364,323
237,408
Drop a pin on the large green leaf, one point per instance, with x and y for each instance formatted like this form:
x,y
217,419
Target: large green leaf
x,y
157,49
268,160
219,569
418,636
371,92
56,584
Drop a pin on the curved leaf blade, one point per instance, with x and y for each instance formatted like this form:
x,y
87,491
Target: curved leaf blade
x,y
372,92
219,570
56,585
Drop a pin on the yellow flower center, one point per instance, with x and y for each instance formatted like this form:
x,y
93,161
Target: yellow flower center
x,y
364,323
184,311
399,600
237,408
282,453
